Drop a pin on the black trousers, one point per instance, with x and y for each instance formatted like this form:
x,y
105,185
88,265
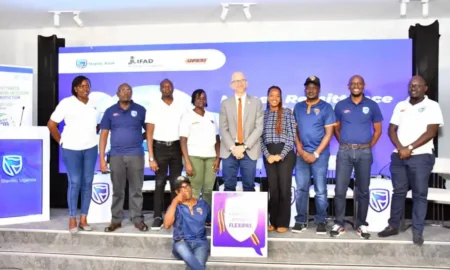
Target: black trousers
x,y
169,159
279,178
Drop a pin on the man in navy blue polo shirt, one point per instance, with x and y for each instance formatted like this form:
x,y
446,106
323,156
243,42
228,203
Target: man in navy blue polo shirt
x,y
126,121
315,120
358,128
188,216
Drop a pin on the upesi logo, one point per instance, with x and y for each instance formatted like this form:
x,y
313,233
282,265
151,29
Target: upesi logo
x,y
196,60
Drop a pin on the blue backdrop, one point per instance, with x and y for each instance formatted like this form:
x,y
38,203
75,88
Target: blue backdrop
x,y
385,65
21,178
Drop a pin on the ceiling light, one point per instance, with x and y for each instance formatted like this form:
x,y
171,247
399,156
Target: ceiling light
x,y
56,19
403,6
76,18
425,8
225,8
246,9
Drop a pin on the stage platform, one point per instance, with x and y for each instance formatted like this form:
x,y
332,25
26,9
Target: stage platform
x,y
49,245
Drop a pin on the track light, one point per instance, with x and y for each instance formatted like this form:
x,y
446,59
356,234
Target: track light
x,y
225,8
76,18
246,9
403,7
425,8
56,19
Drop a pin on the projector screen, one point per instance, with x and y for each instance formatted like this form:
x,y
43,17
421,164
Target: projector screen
x,y
386,66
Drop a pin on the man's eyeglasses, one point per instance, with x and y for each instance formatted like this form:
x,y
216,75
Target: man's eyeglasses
x,y
239,81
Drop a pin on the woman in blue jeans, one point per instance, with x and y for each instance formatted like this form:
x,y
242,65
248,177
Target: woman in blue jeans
x,y
79,148
188,215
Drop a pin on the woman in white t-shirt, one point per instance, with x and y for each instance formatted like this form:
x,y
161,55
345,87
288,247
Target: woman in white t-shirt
x,y
200,144
78,147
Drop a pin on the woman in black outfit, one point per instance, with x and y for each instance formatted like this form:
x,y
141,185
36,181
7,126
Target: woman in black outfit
x,y
277,143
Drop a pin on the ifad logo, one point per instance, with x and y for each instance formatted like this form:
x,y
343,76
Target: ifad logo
x,y
379,199
12,164
82,63
100,193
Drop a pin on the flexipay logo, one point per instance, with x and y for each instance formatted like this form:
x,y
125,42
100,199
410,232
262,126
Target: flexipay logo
x,y
196,60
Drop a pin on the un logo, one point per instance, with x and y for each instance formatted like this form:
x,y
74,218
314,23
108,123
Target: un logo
x,y
379,199
12,165
100,193
82,63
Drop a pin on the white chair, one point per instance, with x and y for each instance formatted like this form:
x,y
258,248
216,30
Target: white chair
x,y
240,188
149,186
259,168
440,196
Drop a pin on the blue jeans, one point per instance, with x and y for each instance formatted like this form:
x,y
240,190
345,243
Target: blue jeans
x,y
194,254
230,168
348,159
80,167
303,172
413,172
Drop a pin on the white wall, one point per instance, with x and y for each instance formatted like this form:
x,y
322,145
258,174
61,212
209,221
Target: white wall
x,y
19,47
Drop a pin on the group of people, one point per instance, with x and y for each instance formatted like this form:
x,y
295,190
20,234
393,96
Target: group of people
x,y
179,136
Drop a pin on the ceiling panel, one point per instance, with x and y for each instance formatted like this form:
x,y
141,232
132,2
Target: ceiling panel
x,y
103,5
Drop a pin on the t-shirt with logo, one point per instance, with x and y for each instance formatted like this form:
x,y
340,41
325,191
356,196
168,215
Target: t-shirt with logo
x,y
201,132
126,128
311,122
189,226
413,120
357,120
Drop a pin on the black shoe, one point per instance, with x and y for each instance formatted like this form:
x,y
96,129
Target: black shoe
x,y
388,231
157,224
321,228
299,227
337,230
418,239
363,232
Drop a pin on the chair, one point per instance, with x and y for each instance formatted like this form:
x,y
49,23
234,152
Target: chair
x,y
437,194
149,186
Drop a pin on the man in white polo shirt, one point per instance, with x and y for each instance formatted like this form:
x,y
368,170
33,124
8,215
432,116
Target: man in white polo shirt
x,y
163,142
414,124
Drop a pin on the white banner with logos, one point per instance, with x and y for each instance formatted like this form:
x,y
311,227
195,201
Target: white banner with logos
x,y
141,61
16,96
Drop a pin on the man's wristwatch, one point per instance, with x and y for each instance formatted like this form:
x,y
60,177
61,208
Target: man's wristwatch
x,y
151,159
410,147
316,155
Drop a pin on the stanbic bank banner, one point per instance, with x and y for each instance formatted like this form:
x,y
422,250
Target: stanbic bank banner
x,y
16,96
